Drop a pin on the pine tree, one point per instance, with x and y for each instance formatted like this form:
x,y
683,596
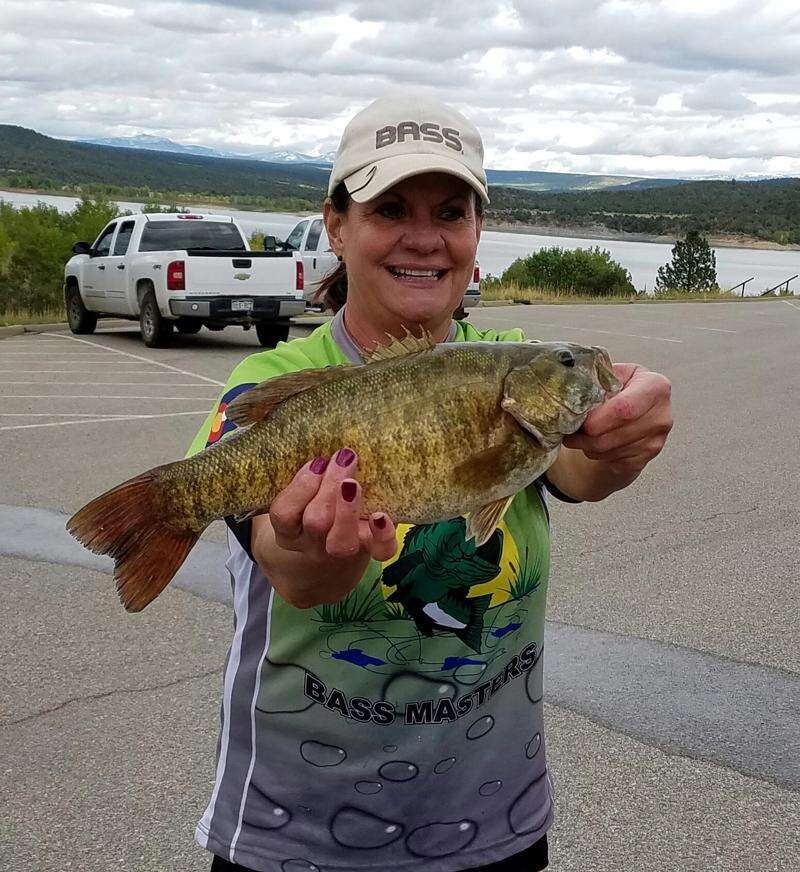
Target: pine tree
x,y
693,268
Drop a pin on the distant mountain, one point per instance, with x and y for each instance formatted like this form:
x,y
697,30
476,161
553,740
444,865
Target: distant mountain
x,y
157,143
528,180
31,160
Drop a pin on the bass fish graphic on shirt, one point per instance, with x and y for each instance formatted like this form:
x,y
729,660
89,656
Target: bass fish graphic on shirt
x,y
434,572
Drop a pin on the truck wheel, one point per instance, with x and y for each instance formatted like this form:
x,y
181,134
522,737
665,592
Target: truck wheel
x,y
188,326
270,333
79,318
156,330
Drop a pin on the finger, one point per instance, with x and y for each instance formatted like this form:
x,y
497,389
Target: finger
x,y
596,446
382,543
321,511
342,539
643,391
286,510
637,454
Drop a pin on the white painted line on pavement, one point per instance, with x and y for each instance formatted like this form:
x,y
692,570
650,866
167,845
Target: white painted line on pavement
x,y
94,397
140,358
71,354
793,305
59,415
596,330
115,384
88,371
711,329
100,420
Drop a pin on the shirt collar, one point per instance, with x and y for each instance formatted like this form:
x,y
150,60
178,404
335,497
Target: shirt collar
x,y
348,345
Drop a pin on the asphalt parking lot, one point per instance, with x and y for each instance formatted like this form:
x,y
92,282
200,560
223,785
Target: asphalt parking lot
x,y
672,674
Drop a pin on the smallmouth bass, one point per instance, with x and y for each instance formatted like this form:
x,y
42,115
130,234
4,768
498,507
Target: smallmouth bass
x,y
440,431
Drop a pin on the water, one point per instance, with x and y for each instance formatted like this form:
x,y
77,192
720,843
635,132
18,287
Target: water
x,y
498,250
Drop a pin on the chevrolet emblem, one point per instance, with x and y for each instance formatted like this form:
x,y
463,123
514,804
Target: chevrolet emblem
x,y
241,276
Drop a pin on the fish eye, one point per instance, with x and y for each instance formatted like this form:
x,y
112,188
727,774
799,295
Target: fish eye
x,y
566,357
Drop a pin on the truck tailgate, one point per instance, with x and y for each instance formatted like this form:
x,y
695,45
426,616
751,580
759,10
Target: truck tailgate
x,y
240,273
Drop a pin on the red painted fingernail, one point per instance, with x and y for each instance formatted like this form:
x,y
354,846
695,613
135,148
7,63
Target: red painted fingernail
x,y
349,490
380,522
345,457
318,465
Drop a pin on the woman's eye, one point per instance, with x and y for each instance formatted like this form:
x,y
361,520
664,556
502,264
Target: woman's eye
x,y
390,210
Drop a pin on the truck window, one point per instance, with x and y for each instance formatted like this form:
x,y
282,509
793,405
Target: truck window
x,y
178,234
123,239
294,239
313,235
103,244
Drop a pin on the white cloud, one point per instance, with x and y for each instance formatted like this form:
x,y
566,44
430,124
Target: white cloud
x,y
651,87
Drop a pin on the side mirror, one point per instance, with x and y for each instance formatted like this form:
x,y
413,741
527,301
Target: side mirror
x,y
270,243
82,248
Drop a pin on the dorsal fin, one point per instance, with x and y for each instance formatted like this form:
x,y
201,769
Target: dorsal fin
x,y
258,402
409,344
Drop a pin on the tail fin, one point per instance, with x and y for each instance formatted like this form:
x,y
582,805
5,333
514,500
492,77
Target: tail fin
x,y
125,523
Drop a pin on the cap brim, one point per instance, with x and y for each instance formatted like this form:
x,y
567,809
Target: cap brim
x,y
375,178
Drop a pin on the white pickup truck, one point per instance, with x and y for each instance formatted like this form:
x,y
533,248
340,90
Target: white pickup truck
x,y
182,270
310,240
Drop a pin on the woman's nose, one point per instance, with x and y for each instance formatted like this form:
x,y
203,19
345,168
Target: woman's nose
x,y
423,237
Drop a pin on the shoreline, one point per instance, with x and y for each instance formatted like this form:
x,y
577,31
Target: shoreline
x,y
596,232
602,233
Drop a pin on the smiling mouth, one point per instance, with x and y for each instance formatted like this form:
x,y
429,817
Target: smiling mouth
x,y
416,275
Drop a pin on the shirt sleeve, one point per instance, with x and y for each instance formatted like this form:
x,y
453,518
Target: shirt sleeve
x,y
554,491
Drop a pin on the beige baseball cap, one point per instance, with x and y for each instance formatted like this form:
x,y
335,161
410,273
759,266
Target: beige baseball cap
x,y
397,137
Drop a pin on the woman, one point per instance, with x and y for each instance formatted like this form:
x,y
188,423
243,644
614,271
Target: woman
x,y
382,695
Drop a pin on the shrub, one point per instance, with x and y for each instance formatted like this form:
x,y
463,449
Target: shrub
x,y
34,246
580,271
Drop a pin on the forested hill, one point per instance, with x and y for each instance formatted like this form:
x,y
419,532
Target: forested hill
x,y
765,209
31,160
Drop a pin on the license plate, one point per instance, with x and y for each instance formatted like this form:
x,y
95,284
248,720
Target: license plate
x,y
241,305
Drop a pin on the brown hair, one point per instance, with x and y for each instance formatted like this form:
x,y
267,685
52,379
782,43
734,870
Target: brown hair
x,y
332,289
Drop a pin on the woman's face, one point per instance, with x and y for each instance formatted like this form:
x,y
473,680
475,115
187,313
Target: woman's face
x,y
423,224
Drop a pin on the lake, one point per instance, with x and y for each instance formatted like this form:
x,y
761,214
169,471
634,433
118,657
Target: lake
x,y
497,251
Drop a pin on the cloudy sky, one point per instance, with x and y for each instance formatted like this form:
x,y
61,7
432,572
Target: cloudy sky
x,y
695,88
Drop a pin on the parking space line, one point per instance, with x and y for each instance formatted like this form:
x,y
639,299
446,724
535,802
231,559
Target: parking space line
x,y
711,329
89,371
114,384
608,332
793,305
59,415
39,354
93,397
596,330
100,420
140,358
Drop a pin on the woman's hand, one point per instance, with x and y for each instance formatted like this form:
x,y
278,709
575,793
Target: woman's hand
x,y
618,439
314,546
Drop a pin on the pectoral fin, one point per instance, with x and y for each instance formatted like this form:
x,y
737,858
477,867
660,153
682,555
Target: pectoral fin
x,y
483,522
258,402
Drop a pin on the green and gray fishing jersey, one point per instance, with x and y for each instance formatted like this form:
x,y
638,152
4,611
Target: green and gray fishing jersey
x,y
400,727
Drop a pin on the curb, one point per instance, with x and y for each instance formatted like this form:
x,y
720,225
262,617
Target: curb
x,y
14,330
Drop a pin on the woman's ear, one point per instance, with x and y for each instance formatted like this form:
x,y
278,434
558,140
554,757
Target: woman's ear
x,y
333,226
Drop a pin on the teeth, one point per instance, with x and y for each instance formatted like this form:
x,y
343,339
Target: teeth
x,y
419,273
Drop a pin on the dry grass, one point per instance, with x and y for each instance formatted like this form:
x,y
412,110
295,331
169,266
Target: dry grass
x,y
514,293
56,315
